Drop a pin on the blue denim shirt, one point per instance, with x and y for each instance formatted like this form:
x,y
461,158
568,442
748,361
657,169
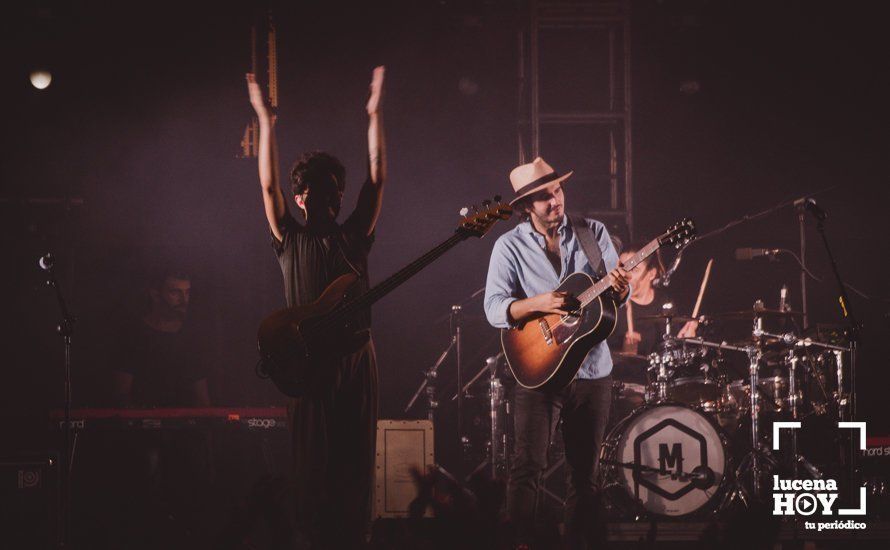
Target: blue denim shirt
x,y
519,268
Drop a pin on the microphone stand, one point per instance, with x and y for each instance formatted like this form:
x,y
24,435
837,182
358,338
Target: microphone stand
x,y
800,205
65,329
428,384
665,280
751,217
458,364
849,411
430,376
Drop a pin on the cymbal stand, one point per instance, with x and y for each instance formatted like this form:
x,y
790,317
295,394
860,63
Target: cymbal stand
x,y
793,359
842,397
797,459
498,446
667,310
659,363
754,355
759,458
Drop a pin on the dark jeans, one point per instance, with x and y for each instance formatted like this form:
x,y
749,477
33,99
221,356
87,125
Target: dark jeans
x,y
334,435
583,407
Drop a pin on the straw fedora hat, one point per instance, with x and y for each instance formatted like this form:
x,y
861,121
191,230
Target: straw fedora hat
x,y
532,177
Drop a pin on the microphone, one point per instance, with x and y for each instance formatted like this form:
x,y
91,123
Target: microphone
x,y
783,297
46,261
492,363
810,204
751,253
702,477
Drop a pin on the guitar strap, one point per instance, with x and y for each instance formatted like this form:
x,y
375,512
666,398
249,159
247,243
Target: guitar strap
x,y
341,244
589,245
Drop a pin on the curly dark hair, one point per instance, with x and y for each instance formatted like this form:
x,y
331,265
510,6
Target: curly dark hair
x,y
523,206
316,166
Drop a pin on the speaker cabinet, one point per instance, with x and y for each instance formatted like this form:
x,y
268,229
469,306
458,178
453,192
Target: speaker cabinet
x,y
29,494
402,445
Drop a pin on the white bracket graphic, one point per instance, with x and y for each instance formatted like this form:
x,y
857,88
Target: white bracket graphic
x,y
856,426
778,426
855,511
862,446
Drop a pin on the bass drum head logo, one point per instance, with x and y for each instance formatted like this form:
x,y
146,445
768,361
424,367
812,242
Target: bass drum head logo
x,y
673,439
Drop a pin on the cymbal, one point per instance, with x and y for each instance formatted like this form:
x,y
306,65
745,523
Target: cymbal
x,y
747,314
766,344
662,316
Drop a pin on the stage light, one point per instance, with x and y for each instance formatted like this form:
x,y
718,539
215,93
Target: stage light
x,y
41,79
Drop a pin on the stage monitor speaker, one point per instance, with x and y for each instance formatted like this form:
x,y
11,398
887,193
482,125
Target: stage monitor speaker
x,y
402,445
29,494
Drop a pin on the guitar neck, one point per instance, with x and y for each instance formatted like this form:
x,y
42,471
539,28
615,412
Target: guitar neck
x,y
395,280
604,284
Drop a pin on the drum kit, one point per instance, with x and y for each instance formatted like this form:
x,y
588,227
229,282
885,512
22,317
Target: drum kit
x,y
697,441
689,437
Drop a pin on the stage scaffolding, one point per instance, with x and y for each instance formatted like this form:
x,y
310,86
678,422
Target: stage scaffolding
x,y
575,100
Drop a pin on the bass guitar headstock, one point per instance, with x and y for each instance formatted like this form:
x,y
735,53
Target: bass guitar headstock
x,y
476,222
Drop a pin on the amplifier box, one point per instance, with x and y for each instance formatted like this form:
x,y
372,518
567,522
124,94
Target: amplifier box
x,y
402,446
29,494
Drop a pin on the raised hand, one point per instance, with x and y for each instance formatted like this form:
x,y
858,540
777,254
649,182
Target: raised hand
x,y
256,96
375,100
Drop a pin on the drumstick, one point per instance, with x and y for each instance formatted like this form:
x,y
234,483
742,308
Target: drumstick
x,y
701,291
630,316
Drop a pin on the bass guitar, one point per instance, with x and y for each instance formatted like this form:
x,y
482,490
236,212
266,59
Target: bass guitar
x,y
547,351
295,342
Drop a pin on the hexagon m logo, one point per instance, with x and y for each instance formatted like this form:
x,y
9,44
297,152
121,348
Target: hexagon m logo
x,y
673,441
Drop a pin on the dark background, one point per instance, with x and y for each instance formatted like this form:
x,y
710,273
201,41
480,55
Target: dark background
x,y
148,104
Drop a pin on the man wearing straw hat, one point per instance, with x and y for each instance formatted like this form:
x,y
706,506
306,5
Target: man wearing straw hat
x,y
527,264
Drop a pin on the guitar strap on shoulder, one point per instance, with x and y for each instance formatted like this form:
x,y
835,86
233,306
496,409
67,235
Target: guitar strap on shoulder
x,y
589,245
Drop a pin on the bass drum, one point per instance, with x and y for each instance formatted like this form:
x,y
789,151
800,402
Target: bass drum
x,y
685,447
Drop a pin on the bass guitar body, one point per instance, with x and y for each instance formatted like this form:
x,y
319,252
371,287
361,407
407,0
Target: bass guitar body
x,y
546,352
296,343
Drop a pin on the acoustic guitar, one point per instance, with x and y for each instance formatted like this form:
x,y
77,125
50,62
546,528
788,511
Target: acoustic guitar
x,y
547,351
297,341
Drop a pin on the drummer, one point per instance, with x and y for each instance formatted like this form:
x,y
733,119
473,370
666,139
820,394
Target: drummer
x,y
635,338
645,301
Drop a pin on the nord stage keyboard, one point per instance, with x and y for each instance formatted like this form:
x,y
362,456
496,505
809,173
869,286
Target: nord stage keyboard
x,y
250,418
